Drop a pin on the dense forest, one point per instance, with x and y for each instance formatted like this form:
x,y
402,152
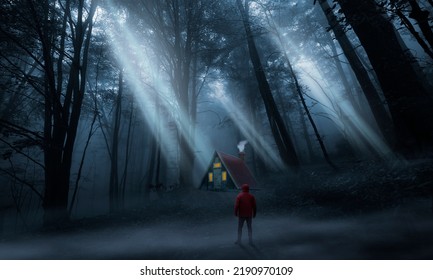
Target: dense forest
x,y
111,112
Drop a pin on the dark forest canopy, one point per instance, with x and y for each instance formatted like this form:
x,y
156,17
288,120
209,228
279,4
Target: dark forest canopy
x,y
121,99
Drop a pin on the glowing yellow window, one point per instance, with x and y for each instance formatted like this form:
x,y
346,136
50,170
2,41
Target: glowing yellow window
x,y
217,165
224,176
210,177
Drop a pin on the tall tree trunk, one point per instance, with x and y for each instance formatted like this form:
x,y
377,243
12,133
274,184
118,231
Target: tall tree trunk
x,y
186,160
151,166
127,156
377,107
181,81
56,175
194,96
287,120
316,132
408,101
154,162
308,113
252,106
114,169
61,120
311,155
157,153
80,169
158,167
281,136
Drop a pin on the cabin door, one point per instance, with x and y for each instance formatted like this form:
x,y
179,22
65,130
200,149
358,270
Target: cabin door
x,y
217,173
217,178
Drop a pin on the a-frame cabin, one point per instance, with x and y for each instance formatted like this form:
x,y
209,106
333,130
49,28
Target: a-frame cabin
x,y
227,172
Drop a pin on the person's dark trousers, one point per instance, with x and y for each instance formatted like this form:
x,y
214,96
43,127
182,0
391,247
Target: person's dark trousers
x,y
250,230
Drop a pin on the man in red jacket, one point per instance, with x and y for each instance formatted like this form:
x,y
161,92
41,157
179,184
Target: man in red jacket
x,y
245,209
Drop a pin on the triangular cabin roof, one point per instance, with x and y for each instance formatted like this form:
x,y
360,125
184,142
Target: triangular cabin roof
x,y
236,169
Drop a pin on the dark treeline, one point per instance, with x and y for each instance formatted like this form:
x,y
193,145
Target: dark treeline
x,y
105,104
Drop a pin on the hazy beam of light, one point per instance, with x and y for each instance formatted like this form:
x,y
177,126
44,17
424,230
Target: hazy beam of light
x,y
334,101
351,117
371,136
134,80
260,146
130,54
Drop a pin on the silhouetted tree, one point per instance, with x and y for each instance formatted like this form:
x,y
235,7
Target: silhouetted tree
x,y
377,107
398,7
408,101
61,31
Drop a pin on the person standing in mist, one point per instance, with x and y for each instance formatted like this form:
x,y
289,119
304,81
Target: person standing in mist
x,y
245,209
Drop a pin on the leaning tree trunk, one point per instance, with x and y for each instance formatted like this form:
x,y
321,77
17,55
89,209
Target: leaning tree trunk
x,y
287,119
298,91
281,136
308,144
408,101
310,118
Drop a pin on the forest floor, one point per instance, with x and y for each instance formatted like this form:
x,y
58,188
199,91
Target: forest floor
x,y
366,211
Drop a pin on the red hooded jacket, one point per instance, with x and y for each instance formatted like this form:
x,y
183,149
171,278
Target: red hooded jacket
x,y
245,205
